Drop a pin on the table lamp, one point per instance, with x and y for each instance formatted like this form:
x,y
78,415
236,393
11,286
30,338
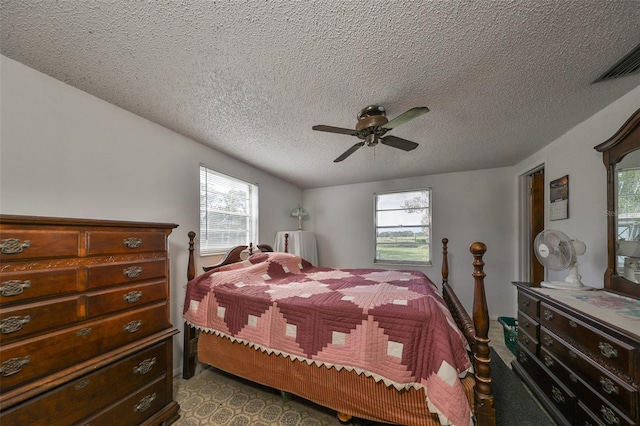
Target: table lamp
x,y
299,212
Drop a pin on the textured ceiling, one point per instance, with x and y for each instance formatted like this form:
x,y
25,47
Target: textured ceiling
x,y
250,78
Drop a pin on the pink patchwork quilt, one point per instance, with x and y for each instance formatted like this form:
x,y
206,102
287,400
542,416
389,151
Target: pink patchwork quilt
x,y
387,324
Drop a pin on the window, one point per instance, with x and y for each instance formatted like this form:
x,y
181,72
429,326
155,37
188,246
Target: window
x,y
228,212
403,227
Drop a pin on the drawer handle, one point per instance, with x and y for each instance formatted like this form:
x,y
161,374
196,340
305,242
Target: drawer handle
x,y
132,271
144,403
548,361
608,386
12,324
526,303
547,340
522,357
83,332
82,384
132,296
557,395
14,246
525,339
573,378
14,287
132,326
547,315
145,366
132,242
609,416
572,354
608,350
525,323
573,324
13,366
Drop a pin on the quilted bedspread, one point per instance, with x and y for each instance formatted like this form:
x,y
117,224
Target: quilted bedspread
x,y
388,324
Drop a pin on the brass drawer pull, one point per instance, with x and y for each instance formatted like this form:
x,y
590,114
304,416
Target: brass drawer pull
x,y
608,350
132,242
609,416
524,323
557,395
548,361
573,324
82,384
13,246
525,339
13,366
144,403
572,354
522,357
608,386
547,340
132,326
526,303
12,324
83,332
145,366
573,378
132,296
132,271
547,315
14,287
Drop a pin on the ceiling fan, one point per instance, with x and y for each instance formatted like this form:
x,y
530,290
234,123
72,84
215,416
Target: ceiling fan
x,y
371,127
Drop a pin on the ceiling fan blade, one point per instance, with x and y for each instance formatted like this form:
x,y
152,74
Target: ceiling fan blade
x,y
398,143
348,152
332,129
403,118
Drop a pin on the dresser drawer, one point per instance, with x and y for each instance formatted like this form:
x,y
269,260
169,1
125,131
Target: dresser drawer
x,y
107,242
92,392
607,349
120,273
26,244
37,357
585,417
107,301
529,325
558,394
21,286
528,341
619,393
135,408
528,304
22,320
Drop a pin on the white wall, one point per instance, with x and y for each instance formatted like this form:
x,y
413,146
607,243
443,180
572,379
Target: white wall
x,y
467,207
573,154
66,153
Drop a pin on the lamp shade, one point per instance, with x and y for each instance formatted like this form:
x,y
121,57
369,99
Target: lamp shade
x,y
299,212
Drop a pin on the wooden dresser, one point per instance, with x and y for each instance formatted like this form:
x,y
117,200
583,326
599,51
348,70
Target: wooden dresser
x,y
584,370
84,323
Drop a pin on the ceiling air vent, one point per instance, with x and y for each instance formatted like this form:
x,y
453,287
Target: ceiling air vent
x,y
630,64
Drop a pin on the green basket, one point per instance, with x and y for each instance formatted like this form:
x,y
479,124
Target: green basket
x,y
510,326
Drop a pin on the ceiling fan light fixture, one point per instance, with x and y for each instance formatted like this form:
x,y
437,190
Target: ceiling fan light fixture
x,y
372,139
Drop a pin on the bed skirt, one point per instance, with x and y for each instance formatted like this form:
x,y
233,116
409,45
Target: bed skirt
x,y
343,391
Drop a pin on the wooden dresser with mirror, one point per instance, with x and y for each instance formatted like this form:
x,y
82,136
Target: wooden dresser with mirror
x,y
579,351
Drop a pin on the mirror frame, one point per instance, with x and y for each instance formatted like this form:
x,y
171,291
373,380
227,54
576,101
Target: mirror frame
x,y
624,141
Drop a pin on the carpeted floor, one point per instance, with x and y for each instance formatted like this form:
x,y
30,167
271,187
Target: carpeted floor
x,y
215,398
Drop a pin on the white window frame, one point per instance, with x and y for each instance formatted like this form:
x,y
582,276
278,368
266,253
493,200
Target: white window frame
x,y
209,180
380,224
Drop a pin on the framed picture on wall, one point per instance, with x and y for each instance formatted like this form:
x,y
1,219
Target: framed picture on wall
x,y
559,194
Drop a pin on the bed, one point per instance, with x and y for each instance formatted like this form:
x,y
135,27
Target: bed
x,y
353,340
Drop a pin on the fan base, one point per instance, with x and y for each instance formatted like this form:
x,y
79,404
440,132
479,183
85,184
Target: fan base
x,y
564,285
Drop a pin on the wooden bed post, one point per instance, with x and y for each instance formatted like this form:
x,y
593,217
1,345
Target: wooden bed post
x,y
190,333
484,404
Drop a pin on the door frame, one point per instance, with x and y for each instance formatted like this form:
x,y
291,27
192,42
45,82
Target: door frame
x,y
525,249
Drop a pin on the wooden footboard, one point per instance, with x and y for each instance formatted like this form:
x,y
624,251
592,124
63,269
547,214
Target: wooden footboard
x,y
475,329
